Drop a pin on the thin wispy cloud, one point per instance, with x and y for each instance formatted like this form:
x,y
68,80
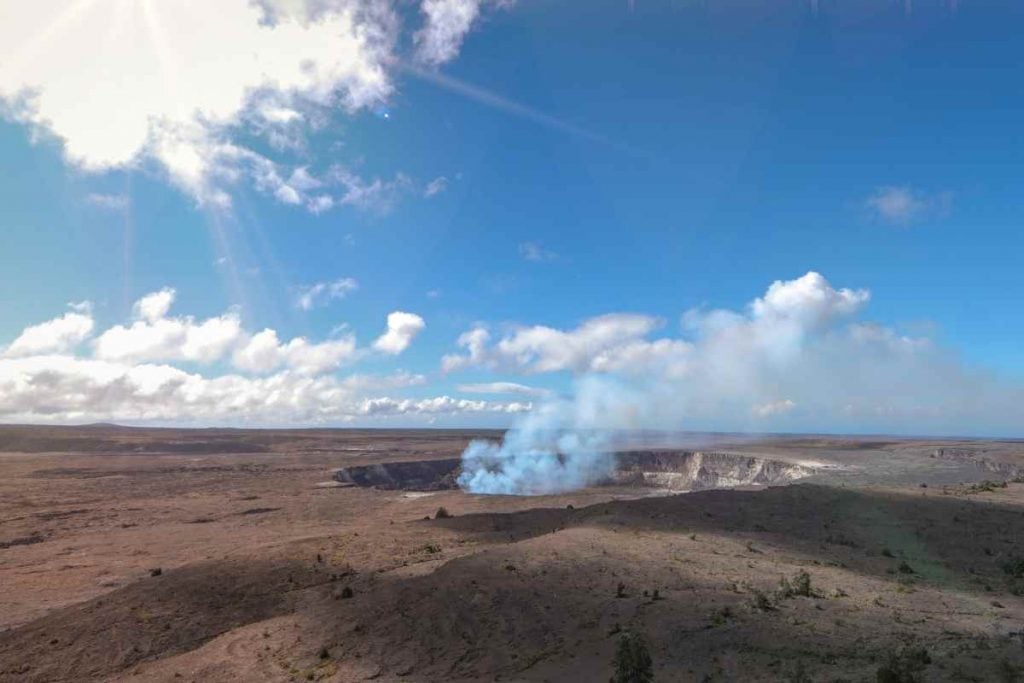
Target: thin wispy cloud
x,y
903,205
322,293
536,252
435,186
110,202
503,388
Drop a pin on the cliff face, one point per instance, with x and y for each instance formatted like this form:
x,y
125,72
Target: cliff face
x,y
415,475
669,470
697,470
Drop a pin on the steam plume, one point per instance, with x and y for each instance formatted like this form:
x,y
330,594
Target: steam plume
x,y
795,359
563,444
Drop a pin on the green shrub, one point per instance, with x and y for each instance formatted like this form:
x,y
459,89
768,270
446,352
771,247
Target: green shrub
x,y
760,602
1014,567
633,662
904,665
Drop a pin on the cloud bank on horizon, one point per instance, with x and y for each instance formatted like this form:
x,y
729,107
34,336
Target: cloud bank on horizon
x,y
796,357
59,371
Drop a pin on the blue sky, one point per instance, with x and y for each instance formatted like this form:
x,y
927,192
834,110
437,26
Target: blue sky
x,y
521,168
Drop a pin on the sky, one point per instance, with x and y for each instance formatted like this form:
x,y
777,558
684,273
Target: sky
x,y
741,215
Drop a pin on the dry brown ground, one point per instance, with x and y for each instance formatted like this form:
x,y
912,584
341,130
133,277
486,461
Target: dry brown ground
x,y
255,558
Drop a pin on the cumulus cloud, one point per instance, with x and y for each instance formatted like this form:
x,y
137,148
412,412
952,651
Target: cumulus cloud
x,y
155,305
902,205
178,88
598,344
263,352
401,330
800,345
320,293
155,337
185,77
70,389
54,336
133,374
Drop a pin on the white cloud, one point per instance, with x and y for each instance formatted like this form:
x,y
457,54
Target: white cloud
x,y
54,336
533,251
439,405
68,389
154,306
122,82
447,23
777,408
155,337
503,388
798,345
596,345
132,375
903,205
263,352
402,329
375,195
110,202
474,342
320,293
435,186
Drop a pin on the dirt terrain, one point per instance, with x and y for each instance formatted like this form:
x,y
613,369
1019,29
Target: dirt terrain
x,y
233,555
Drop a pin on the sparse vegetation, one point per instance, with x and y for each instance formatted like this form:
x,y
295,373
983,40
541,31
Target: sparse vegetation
x,y
760,602
800,586
442,513
905,568
721,616
347,593
904,665
985,487
840,539
1014,567
633,663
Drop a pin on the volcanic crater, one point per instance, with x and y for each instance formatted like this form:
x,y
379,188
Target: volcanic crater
x,y
668,470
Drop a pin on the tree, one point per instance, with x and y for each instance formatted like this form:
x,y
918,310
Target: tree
x,y
633,660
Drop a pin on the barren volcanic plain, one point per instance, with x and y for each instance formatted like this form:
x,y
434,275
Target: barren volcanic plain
x,y
236,555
